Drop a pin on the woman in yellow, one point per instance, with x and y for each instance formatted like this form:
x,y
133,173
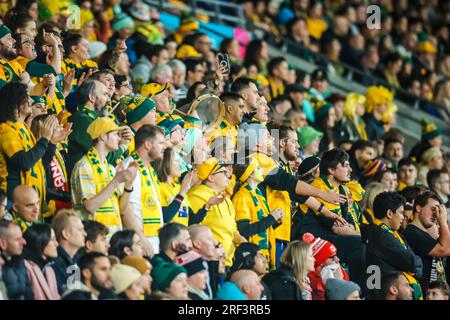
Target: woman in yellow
x,y
22,157
254,219
174,201
212,208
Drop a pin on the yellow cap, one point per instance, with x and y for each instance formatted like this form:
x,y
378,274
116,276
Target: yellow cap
x,y
102,125
187,51
207,168
426,47
153,89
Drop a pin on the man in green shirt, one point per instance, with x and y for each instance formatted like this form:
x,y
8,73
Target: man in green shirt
x,y
93,98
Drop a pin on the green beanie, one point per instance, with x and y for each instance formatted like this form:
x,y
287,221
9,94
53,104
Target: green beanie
x,y
38,99
4,30
322,111
168,124
164,272
429,131
136,107
122,20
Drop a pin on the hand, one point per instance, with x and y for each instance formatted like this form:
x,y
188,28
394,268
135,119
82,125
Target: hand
x,y
186,184
50,38
213,201
61,133
126,175
332,197
25,78
126,137
277,214
68,81
47,127
49,80
441,215
221,72
333,216
147,248
84,76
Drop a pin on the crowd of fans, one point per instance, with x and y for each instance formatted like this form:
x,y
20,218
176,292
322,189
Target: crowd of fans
x,y
135,165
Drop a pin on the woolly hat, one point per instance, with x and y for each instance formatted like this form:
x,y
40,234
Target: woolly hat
x,y
86,16
306,135
136,107
168,124
4,30
96,48
429,130
321,108
192,262
190,139
372,167
164,272
337,289
140,264
140,11
38,99
122,20
242,256
123,276
321,249
308,166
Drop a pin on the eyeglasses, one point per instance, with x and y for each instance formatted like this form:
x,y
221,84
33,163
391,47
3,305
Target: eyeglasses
x,y
126,84
28,42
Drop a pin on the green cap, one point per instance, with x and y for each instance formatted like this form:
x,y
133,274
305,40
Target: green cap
x,y
4,30
306,135
322,110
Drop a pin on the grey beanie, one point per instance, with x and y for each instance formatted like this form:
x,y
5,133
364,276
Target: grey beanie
x,y
249,135
340,289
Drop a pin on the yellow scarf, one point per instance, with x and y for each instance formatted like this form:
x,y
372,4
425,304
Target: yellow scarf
x,y
151,208
253,205
410,276
275,91
109,212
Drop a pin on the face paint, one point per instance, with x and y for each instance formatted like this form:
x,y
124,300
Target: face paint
x,y
258,174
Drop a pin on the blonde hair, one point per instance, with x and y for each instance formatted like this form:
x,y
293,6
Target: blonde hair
x,y
294,258
61,221
377,95
372,190
351,102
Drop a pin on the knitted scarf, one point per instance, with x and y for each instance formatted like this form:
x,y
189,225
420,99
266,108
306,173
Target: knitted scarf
x,y
109,212
152,218
265,239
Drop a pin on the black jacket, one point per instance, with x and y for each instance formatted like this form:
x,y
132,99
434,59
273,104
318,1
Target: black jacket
x,y
385,251
16,280
64,267
282,285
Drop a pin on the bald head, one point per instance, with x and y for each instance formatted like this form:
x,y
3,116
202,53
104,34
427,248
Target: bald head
x,y
248,282
26,203
203,241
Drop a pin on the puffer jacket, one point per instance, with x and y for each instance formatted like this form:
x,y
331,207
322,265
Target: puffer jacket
x,y
282,285
16,280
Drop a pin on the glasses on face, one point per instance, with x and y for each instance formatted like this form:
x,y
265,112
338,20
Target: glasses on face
x,y
126,84
28,42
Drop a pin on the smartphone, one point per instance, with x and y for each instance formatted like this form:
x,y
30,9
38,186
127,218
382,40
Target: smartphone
x,y
224,61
